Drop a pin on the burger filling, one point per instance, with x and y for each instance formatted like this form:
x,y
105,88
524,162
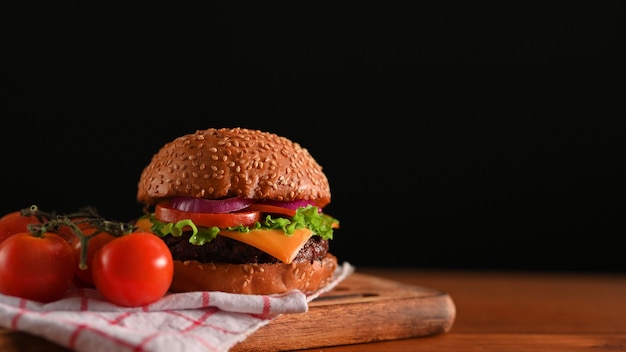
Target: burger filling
x,y
252,233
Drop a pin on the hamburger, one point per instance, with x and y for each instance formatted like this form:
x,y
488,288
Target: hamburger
x,y
241,211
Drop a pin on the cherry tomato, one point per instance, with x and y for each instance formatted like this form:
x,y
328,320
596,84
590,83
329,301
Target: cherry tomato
x,y
13,223
94,243
36,268
133,270
165,212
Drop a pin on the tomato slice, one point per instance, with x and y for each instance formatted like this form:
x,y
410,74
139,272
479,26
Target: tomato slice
x,y
164,212
264,208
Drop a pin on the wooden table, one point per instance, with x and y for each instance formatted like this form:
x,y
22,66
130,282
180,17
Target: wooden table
x,y
495,311
515,311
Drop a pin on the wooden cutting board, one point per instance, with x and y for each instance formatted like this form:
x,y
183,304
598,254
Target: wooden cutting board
x,y
360,309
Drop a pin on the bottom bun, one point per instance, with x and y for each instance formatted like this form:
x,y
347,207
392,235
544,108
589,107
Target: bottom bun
x,y
260,279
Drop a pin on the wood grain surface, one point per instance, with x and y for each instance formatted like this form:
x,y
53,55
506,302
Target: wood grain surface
x,y
362,308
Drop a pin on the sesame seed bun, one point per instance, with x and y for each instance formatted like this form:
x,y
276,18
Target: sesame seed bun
x,y
245,163
216,163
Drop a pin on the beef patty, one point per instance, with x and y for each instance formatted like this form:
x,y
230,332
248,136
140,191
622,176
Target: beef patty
x,y
226,250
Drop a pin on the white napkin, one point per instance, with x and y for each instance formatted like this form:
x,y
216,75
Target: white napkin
x,y
192,321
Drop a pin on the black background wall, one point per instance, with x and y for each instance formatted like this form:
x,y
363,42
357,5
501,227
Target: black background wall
x,y
453,135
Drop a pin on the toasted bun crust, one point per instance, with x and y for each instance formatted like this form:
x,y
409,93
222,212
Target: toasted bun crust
x,y
260,279
216,163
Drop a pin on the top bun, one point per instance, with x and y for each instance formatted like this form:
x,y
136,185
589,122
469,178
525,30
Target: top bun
x,y
217,163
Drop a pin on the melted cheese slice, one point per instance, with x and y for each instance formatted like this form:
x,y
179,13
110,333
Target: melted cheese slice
x,y
274,242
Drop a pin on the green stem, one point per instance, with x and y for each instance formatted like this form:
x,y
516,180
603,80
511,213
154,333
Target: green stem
x,y
53,222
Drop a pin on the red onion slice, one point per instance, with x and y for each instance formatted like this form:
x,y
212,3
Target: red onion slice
x,y
214,206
